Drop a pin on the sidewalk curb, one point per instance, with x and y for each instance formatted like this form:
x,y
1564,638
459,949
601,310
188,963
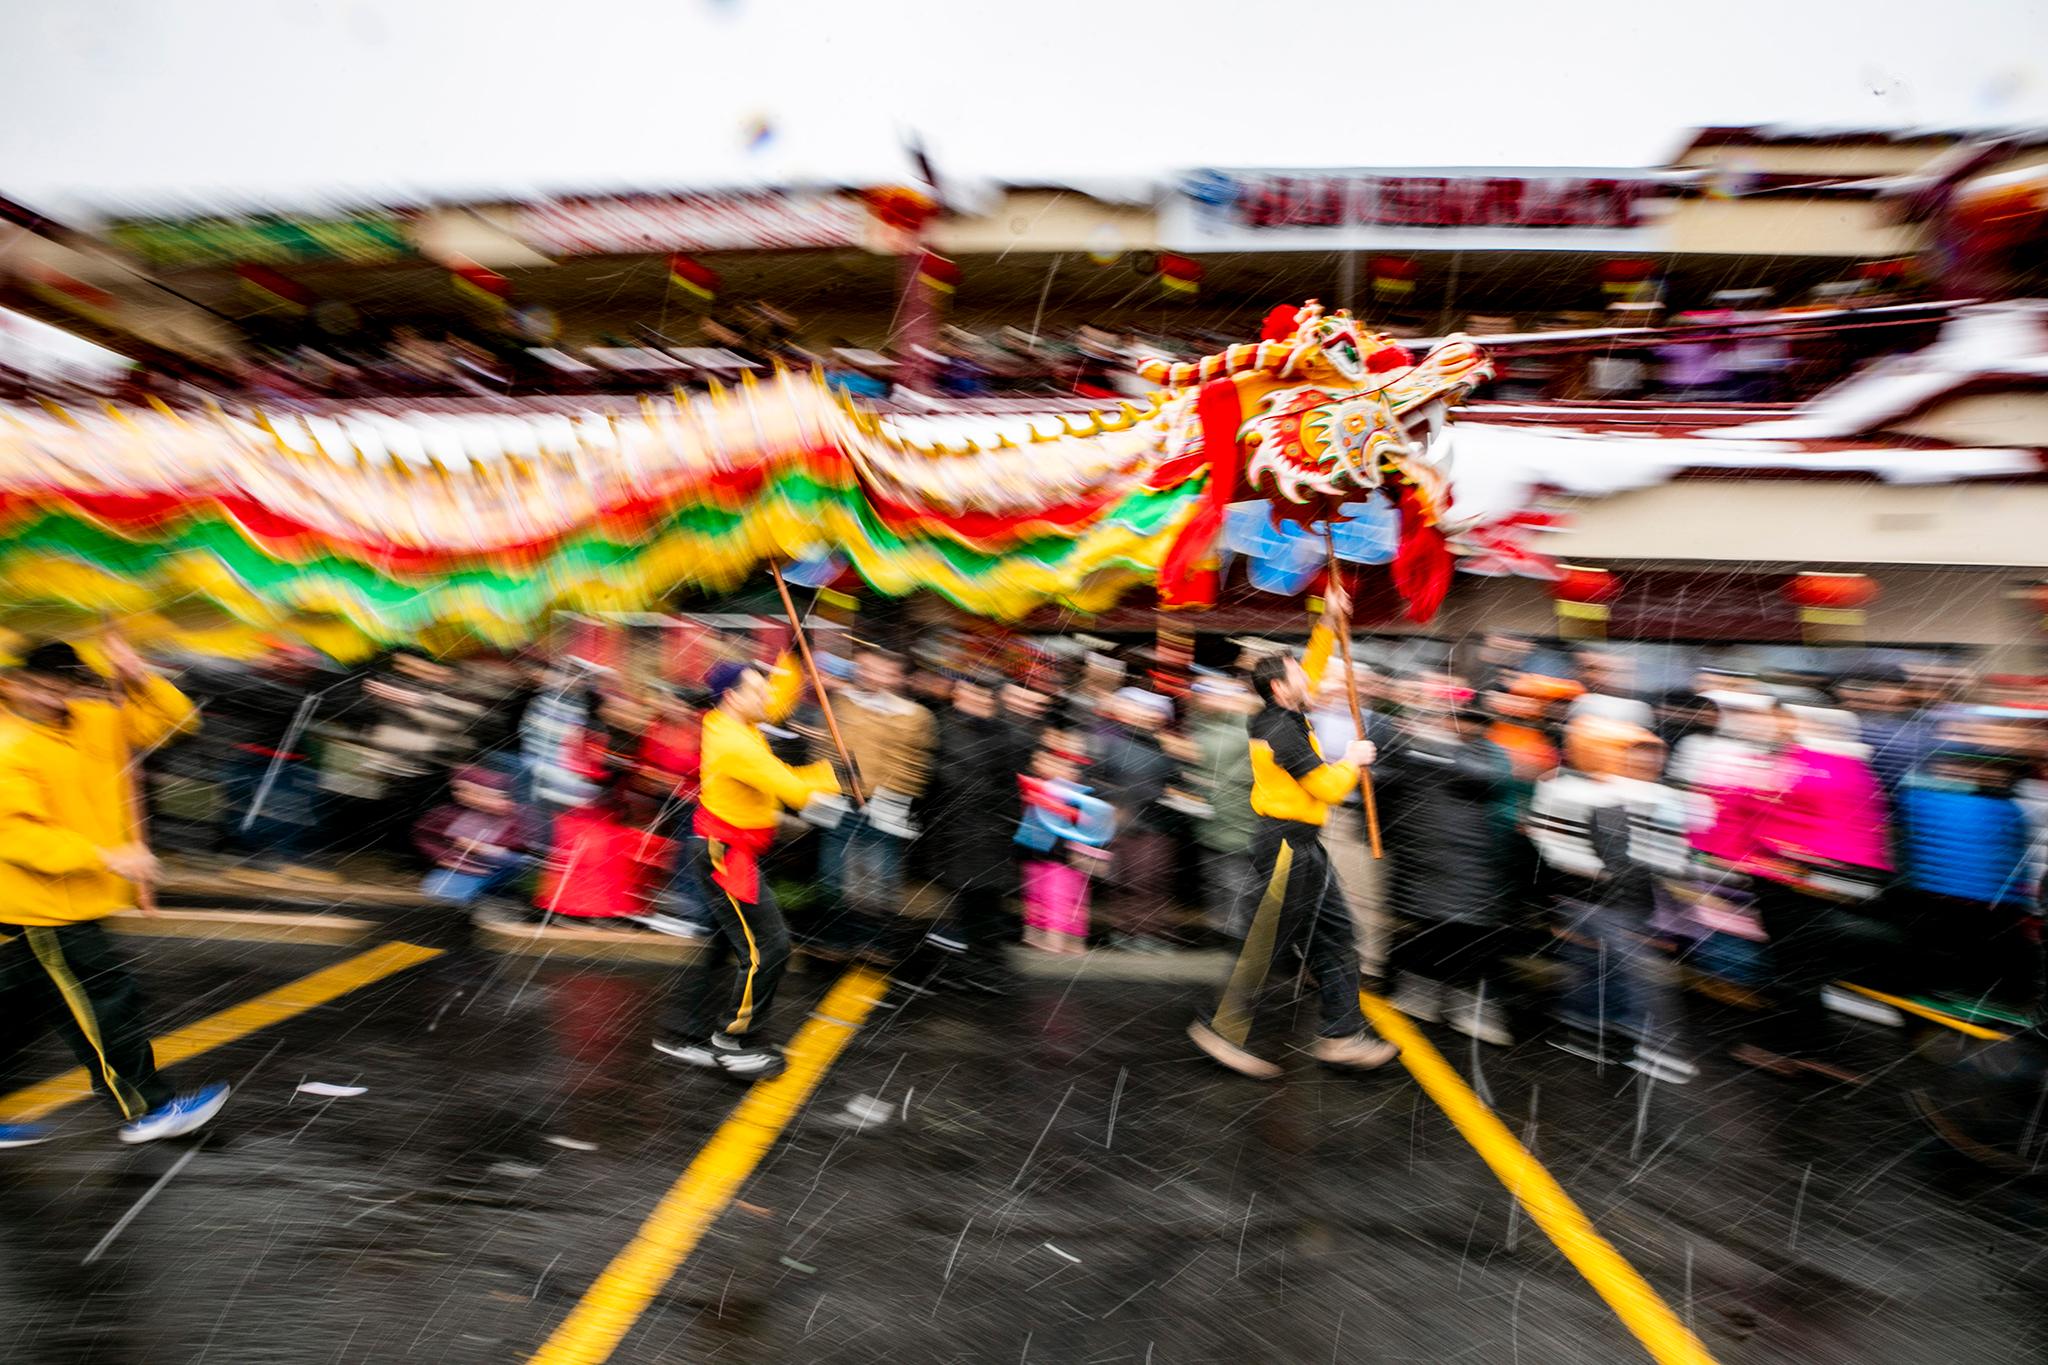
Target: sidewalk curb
x,y
1204,966
242,926
555,938
215,889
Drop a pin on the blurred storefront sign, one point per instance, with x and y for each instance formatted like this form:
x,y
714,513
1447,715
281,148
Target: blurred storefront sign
x,y
1364,209
183,243
635,224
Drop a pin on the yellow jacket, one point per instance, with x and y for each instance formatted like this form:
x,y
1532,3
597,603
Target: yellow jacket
x,y
1290,780
64,797
741,781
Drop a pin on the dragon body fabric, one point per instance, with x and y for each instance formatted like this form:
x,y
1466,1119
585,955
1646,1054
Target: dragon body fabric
x,y
394,527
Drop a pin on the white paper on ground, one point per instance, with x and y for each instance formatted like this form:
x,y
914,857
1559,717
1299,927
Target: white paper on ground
x,y
336,1092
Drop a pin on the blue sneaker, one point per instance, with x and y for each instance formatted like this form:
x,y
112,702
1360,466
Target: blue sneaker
x,y
23,1134
177,1118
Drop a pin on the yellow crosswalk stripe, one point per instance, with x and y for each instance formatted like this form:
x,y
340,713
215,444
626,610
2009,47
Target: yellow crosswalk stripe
x,y
235,1022
1630,1296
615,1301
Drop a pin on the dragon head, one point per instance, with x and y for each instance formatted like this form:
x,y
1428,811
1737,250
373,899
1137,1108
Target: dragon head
x,y
1344,407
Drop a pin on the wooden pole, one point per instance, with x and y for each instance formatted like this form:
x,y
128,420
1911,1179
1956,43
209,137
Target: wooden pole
x,y
803,649
133,806
1372,808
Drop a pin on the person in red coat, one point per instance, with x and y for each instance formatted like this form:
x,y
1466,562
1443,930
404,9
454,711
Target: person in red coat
x,y
607,861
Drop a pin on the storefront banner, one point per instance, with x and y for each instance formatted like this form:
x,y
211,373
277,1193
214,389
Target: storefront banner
x,y
636,224
1445,210
265,240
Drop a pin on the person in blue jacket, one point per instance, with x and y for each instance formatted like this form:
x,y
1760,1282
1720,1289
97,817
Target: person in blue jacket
x,y
1966,840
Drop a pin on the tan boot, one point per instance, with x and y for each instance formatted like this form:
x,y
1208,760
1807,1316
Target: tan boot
x,y
1360,1050
1231,1055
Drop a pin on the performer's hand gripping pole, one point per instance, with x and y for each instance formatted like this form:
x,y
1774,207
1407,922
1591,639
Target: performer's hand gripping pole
x,y
803,649
1343,628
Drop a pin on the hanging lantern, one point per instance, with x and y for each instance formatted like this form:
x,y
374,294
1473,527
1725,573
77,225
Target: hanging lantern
x,y
937,273
693,277
1178,275
1583,596
1883,277
73,295
1393,277
481,284
1831,604
900,208
1628,279
274,288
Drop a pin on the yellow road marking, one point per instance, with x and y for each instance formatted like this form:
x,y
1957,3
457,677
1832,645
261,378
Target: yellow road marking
x,y
235,1022
1899,1002
617,1298
1614,1279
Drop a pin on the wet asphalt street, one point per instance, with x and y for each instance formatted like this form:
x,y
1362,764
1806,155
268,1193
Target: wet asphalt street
x,y
1052,1176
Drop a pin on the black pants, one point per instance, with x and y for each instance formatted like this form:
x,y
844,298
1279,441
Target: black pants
x,y
1451,951
755,936
71,978
1975,949
1300,916
1810,947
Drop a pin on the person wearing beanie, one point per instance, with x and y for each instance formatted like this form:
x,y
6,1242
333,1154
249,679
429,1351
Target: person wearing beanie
x,y
1609,830
1300,911
70,855
742,789
1133,773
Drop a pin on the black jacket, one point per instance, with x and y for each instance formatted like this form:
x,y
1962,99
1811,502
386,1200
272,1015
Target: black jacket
x,y
972,804
1132,774
1439,802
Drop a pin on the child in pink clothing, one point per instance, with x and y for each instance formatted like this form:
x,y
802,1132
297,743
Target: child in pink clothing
x,y
1057,874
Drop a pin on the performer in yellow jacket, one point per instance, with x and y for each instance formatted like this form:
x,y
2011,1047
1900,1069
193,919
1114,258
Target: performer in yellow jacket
x,y
69,857
1300,912
743,789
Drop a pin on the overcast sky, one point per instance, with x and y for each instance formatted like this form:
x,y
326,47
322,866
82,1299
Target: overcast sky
x,y
134,101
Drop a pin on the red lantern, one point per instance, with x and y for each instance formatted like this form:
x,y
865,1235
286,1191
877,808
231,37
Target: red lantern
x,y
1393,276
1830,604
274,287
1178,274
483,285
692,276
1629,278
1591,587
1843,592
938,274
1583,595
900,208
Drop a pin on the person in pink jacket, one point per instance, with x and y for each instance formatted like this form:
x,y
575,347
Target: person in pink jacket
x,y
1830,822
1820,850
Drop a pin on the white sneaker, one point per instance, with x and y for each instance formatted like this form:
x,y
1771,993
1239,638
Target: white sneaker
x,y
1466,1013
1861,1007
176,1118
691,1054
1419,997
749,1061
672,925
1660,1065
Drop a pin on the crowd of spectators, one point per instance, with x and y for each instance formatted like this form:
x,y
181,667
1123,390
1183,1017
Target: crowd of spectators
x,y
1780,831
